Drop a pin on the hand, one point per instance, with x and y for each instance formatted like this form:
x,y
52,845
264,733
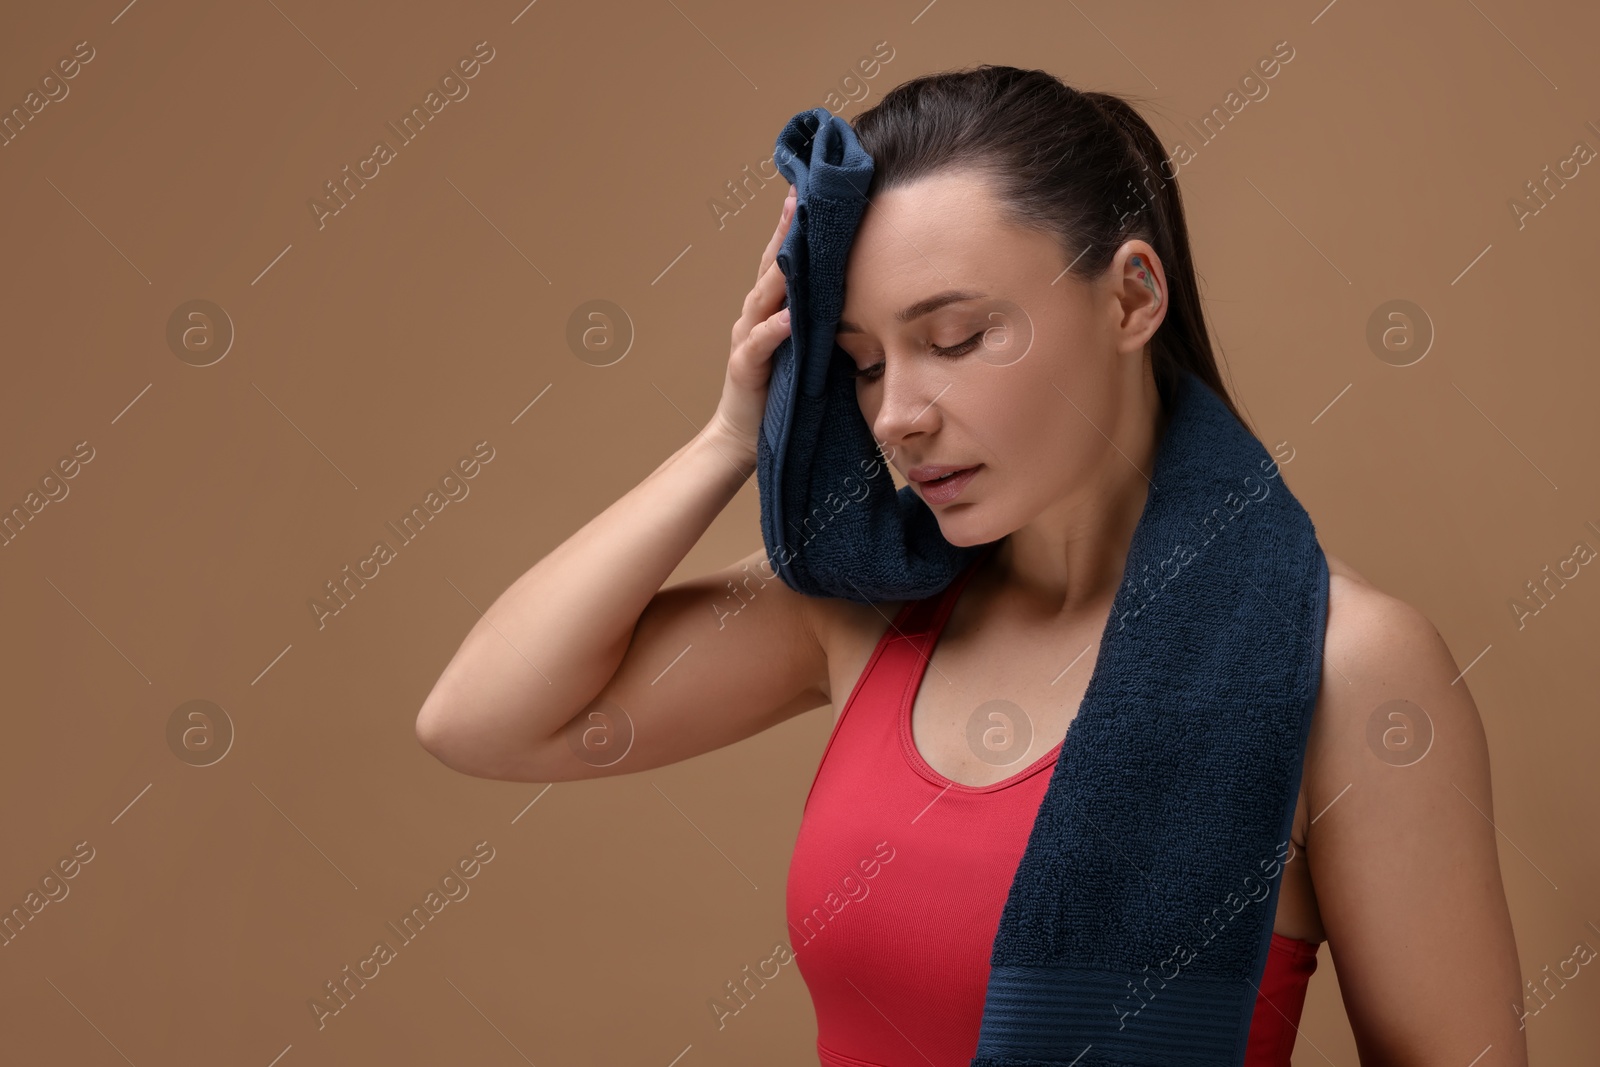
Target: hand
x,y
761,328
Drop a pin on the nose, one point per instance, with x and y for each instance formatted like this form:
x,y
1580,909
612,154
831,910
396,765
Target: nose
x,y
907,401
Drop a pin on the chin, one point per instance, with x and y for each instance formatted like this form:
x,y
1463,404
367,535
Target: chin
x,y
964,532
978,523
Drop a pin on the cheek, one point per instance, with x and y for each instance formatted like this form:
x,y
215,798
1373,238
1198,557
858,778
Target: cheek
x,y
1020,407
1038,436
867,402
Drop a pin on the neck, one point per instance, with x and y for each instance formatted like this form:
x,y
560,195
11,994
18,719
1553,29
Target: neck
x,y
1071,557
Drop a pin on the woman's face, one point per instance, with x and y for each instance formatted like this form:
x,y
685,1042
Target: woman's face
x,y
1026,375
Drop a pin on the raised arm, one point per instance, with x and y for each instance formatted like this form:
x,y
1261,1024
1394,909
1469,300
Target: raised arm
x,y
586,649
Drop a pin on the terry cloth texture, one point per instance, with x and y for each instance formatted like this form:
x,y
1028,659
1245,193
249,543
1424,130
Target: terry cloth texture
x,y
1137,925
833,522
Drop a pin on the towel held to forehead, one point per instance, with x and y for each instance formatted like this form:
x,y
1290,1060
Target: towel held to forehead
x,y
833,522
1138,922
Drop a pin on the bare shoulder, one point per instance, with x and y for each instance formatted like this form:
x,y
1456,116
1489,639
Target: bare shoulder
x,y
845,630
1401,844
1379,648
1375,631
1364,605
1388,685
848,630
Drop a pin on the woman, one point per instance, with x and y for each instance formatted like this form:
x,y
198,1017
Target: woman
x,y
1020,283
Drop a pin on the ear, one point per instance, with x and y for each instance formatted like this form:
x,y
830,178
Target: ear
x,y
1141,288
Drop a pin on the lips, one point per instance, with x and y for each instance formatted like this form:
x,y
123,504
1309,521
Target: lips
x,y
934,472
946,485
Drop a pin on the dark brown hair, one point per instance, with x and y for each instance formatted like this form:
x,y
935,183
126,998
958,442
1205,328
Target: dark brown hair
x,y
1084,167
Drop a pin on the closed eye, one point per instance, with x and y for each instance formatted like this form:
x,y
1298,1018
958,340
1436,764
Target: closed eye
x,y
875,371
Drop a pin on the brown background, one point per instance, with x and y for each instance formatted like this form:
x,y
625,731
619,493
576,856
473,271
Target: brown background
x,y
428,315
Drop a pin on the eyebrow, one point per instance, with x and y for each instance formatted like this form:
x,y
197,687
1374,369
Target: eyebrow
x,y
919,309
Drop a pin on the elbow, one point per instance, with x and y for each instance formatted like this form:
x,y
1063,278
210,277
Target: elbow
x,y
444,726
430,733
457,748
439,740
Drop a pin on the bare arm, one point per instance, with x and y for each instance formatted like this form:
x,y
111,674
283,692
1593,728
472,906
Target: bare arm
x,y
588,628
1402,850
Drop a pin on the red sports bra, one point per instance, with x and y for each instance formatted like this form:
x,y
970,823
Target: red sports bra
x,y
899,876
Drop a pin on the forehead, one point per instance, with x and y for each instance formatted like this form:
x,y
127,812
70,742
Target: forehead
x,y
939,215
940,232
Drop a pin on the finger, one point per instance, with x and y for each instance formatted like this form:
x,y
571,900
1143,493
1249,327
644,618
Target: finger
x,y
779,322
764,340
761,302
778,328
768,294
770,255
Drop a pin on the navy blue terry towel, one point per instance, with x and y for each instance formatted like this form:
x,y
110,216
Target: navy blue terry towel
x,y
833,522
1137,925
